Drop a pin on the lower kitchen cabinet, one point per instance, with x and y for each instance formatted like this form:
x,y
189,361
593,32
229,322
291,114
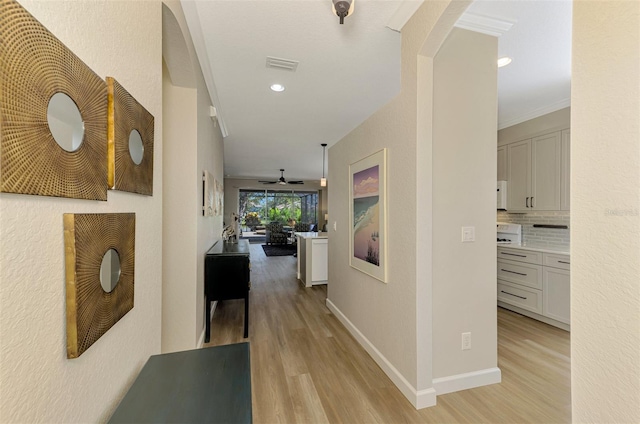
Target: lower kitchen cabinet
x,y
555,298
535,284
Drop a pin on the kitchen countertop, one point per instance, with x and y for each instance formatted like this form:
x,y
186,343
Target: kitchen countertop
x,y
538,248
313,235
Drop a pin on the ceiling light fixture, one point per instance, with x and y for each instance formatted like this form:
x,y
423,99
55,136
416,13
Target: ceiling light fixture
x,y
343,8
277,87
504,61
323,180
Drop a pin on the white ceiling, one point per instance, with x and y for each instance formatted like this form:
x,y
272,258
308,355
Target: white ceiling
x,y
346,72
538,81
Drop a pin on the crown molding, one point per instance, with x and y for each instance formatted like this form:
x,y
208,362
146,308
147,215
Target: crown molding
x,y
484,24
561,104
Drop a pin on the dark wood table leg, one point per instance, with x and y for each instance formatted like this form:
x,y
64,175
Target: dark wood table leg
x,y
207,319
246,316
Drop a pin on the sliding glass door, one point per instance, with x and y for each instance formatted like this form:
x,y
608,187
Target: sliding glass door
x,y
258,207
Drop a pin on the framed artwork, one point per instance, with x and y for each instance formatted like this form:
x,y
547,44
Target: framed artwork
x,y
100,269
130,136
219,198
208,191
368,215
53,114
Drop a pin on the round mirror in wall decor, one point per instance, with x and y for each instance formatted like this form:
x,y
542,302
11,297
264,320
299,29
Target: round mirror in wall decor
x,y
100,269
130,142
65,122
110,270
136,148
53,114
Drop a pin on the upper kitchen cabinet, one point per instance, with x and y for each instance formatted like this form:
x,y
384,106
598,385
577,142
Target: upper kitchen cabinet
x,y
535,174
566,170
519,176
502,163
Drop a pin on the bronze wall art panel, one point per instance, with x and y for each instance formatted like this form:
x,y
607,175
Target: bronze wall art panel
x,y
130,142
53,114
100,268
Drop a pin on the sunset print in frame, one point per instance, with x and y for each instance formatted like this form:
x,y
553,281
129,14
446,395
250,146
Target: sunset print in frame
x,y
368,215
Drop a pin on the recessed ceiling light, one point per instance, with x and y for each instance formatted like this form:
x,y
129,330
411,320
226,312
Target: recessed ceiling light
x,y
277,87
504,61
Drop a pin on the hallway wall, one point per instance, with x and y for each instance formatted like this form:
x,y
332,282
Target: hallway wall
x,y
465,106
193,144
38,382
385,317
605,212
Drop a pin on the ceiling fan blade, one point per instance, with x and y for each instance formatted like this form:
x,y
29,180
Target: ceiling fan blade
x,y
267,182
296,182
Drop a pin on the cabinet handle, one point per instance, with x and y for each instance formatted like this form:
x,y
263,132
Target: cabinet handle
x,y
514,295
513,272
563,262
513,254
527,202
532,202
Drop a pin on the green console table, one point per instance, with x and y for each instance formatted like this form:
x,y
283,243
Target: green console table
x,y
210,385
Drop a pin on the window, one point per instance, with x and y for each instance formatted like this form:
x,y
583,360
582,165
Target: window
x,y
258,207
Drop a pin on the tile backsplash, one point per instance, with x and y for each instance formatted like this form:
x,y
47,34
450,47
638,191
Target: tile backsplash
x,y
542,236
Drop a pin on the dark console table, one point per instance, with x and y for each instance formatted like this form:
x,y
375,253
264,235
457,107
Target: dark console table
x,y
210,385
227,275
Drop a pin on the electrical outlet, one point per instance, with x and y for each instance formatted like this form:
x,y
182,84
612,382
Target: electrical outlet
x,y
466,341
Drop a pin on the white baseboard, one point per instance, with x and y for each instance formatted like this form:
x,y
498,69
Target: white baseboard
x,y
201,341
419,399
455,383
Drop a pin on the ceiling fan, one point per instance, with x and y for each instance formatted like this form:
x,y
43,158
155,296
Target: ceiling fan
x,y
281,180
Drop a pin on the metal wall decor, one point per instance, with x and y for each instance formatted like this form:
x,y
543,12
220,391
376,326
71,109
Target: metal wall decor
x,y
34,67
99,262
130,135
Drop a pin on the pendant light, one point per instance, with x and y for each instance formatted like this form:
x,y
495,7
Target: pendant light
x,y
323,180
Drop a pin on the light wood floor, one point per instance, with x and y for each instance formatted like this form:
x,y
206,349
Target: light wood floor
x,y
306,367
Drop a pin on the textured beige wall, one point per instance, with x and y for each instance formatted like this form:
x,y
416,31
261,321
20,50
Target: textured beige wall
x,y
210,156
605,204
38,382
194,144
179,203
464,178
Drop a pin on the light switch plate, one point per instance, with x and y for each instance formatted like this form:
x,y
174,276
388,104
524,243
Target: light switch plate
x,y
468,234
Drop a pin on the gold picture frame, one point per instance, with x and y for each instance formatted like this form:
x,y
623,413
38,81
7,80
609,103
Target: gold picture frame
x,y
34,66
91,311
125,115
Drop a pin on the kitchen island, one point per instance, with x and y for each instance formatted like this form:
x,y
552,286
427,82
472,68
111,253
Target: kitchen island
x,y
313,258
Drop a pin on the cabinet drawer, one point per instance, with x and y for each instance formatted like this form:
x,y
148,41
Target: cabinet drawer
x,y
519,255
520,273
523,297
556,260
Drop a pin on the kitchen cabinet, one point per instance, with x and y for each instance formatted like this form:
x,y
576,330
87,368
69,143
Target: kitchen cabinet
x,y
566,170
534,174
535,284
502,163
555,292
518,176
313,258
